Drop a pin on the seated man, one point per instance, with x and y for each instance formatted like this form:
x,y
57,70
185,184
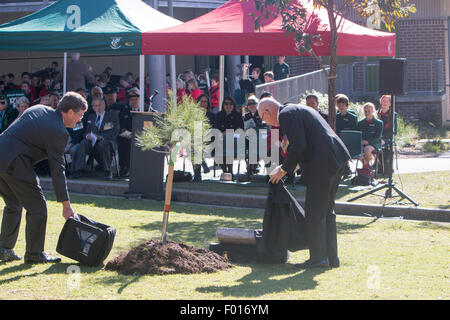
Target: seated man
x,y
7,113
101,135
345,119
78,158
112,104
371,129
125,137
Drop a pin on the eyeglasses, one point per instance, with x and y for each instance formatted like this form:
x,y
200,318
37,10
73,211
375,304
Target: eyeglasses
x,y
252,104
228,103
80,114
3,102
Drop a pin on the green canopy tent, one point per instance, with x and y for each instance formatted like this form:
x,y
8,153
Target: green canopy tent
x,y
104,27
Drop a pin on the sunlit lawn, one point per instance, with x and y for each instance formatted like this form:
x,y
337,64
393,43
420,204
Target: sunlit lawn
x,y
380,259
429,189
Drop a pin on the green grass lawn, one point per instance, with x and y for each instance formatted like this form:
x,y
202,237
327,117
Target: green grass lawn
x,y
429,189
380,259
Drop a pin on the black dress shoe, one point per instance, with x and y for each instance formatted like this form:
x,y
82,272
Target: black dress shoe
x,y
308,264
8,255
334,263
42,257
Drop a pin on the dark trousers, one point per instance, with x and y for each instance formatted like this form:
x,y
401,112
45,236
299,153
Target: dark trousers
x,y
320,216
101,152
17,195
124,149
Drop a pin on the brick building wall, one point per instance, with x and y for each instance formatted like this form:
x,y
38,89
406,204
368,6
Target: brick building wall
x,y
422,40
424,112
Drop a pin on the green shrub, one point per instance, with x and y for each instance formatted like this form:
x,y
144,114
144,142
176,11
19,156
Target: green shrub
x,y
435,146
407,133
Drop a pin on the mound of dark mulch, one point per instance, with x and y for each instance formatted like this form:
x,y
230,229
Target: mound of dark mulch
x,y
152,257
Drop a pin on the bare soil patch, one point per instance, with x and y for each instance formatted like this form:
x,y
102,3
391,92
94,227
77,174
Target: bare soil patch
x,y
153,257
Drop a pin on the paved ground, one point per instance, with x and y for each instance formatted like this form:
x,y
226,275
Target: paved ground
x,y
402,166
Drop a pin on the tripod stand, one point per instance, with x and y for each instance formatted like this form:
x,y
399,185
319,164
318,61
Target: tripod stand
x,y
390,185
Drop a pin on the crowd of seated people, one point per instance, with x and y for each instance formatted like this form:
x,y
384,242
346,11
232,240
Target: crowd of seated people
x,y
106,126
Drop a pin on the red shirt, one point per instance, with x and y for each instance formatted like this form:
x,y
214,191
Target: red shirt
x,y
122,95
180,94
214,95
196,93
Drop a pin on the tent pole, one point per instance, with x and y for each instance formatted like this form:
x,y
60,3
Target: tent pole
x,y
222,80
173,80
173,75
65,73
141,82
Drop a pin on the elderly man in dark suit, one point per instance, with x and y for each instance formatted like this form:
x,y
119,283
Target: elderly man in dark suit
x,y
101,136
322,154
39,133
7,113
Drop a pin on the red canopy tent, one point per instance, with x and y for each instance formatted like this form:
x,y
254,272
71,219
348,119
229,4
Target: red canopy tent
x,y
229,30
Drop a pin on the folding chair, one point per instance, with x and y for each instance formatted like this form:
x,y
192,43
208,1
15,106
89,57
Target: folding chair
x,y
353,141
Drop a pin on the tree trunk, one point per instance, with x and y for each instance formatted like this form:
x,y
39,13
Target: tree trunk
x,y
333,67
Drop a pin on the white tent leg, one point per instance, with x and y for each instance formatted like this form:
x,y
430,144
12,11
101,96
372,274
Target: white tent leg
x,y
65,73
173,80
141,82
222,80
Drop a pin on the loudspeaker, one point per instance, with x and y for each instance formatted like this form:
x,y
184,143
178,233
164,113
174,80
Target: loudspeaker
x,y
392,77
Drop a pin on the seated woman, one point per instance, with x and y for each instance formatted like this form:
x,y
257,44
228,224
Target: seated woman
x,y
204,103
371,129
389,131
194,90
22,104
252,120
384,114
228,118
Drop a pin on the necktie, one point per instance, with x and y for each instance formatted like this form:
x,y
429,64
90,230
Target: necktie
x,y
97,122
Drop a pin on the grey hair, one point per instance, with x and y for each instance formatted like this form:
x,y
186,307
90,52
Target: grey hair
x,y
268,103
23,99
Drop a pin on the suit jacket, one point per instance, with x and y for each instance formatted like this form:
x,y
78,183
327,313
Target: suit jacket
x,y
232,121
109,128
9,115
38,134
77,75
312,143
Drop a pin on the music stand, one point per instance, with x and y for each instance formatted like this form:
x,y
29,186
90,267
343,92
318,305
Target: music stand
x,y
390,185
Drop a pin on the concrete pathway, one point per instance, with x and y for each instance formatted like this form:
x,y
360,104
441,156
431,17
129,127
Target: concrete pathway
x,y
401,166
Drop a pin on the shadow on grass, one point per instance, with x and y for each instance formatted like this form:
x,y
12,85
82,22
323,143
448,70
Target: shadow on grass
x,y
58,268
261,281
124,280
203,233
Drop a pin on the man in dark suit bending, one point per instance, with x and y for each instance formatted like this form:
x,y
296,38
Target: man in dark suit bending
x,y
322,155
40,133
